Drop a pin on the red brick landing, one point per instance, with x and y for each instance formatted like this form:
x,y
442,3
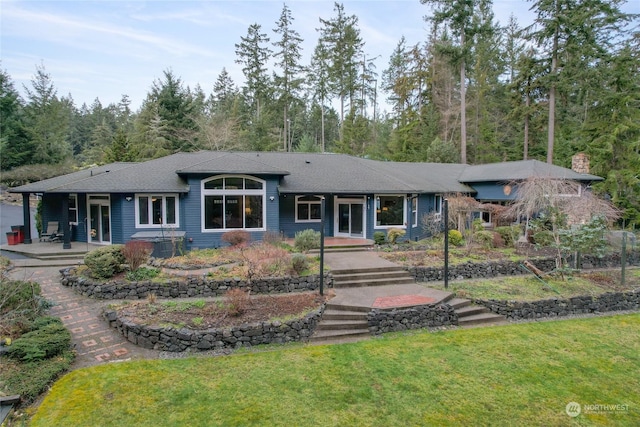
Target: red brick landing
x,y
402,301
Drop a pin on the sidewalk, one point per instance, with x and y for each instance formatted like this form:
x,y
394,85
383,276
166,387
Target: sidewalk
x,y
95,342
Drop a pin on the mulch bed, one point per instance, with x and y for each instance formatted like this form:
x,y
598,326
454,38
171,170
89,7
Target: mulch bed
x,y
217,314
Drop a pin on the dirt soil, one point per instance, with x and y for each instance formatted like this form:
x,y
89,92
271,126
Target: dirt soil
x,y
219,314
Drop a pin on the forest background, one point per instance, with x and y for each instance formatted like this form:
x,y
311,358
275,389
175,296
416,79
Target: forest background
x,y
475,90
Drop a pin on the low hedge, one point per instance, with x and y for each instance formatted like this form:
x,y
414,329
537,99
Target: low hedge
x,y
48,339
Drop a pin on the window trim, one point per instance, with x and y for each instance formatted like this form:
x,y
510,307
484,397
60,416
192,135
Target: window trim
x,y
414,211
309,203
437,206
73,197
377,207
164,210
232,192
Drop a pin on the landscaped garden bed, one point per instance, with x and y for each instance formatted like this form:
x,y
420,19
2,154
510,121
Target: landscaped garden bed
x,y
235,321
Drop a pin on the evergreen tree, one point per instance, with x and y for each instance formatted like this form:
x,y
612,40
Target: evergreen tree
x,y
287,56
46,120
15,148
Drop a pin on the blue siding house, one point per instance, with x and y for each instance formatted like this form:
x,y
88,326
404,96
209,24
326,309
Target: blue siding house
x,y
199,196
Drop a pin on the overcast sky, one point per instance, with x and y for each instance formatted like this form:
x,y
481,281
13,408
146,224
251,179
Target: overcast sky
x,y
104,49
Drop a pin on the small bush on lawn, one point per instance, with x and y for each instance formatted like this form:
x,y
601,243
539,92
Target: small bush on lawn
x,y
455,237
394,233
299,263
105,262
306,240
379,238
236,237
509,234
142,273
49,340
136,253
485,238
237,301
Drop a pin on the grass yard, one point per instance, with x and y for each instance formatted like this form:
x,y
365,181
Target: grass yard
x,y
529,288
521,374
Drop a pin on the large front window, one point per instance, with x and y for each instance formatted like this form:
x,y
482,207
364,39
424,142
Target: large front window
x,y
156,210
231,202
390,211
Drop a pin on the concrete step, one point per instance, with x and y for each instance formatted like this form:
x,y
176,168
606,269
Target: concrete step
x,y
338,325
348,271
373,282
481,319
346,308
343,277
458,302
330,335
343,315
338,249
470,310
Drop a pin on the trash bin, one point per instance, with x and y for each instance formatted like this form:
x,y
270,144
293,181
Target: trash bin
x,y
20,230
12,237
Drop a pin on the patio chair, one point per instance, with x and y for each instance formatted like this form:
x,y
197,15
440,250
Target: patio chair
x,y
51,233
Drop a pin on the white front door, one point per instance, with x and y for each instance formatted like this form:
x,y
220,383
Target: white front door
x,y
349,218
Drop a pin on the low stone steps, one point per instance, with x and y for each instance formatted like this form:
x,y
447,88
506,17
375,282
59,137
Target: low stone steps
x,y
340,324
371,277
470,315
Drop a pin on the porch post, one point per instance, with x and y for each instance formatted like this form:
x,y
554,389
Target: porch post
x,y
26,218
66,230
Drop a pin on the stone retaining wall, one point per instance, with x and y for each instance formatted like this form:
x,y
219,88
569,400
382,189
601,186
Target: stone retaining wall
x,y
481,270
183,339
188,286
556,307
426,316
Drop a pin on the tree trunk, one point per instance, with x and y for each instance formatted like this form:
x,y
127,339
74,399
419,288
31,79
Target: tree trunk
x,y
463,109
552,99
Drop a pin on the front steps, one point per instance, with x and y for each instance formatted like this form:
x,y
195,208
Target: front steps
x,y
340,324
360,277
470,315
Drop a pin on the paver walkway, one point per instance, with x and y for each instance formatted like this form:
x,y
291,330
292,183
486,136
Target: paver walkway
x,y
95,342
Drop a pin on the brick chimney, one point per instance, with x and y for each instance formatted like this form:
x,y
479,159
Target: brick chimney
x,y
580,163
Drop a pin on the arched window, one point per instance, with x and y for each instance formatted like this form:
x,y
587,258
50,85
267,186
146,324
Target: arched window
x,y
308,209
232,202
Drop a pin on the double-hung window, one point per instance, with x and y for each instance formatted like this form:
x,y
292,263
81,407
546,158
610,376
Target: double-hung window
x,y
437,206
308,209
232,202
73,209
156,210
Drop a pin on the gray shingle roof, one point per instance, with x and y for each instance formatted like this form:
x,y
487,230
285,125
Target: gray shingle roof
x,y
299,172
521,170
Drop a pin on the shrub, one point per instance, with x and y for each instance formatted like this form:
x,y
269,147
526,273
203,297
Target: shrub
x,y
379,237
105,262
299,263
509,234
306,240
543,238
142,273
237,301
394,233
485,238
455,237
20,304
29,380
236,237
136,253
45,342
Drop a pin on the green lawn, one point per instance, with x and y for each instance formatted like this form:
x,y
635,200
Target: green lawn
x,y
521,374
529,288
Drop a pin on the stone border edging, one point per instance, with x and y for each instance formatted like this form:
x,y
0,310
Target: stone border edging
x,y
192,286
481,270
400,319
184,339
557,307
